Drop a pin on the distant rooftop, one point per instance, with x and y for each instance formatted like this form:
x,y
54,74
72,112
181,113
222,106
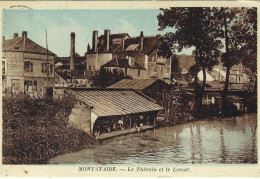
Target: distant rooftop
x,y
123,63
136,84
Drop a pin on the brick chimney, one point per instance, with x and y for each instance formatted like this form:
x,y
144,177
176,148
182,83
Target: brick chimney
x,y
15,35
107,35
95,41
72,51
24,34
123,44
88,48
141,42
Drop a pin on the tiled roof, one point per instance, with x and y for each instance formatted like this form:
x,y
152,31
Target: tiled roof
x,y
132,47
76,67
23,44
150,43
114,36
136,84
122,63
234,99
78,73
66,60
115,102
220,86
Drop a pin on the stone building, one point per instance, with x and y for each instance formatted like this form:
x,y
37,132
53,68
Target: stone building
x,y
139,54
26,66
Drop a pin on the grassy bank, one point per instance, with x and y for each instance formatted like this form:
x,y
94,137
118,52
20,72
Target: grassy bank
x,y
35,130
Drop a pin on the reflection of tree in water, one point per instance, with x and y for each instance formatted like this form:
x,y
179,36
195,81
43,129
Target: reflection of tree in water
x,y
192,146
222,146
179,144
200,143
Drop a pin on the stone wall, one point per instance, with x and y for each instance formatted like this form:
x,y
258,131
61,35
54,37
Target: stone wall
x,y
80,117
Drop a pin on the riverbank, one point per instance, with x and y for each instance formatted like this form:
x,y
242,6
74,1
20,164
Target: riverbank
x,y
35,130
198,142
189,118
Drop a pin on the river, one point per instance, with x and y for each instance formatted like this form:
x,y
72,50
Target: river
x,y
206,141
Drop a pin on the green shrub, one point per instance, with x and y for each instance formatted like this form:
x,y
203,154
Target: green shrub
x,y
35,130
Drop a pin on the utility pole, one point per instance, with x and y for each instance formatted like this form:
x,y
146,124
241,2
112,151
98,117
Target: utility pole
x,y
48,66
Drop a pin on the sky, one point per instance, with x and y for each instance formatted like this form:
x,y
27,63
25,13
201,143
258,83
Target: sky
x,y
60,23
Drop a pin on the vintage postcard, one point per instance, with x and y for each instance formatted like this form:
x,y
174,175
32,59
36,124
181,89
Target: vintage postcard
x,y
129,89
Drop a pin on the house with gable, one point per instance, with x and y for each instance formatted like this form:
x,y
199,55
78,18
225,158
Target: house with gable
x,y
26,66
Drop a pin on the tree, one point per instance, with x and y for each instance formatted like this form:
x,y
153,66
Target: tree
x,y
239,33
248,53
105,78
175,68
194,27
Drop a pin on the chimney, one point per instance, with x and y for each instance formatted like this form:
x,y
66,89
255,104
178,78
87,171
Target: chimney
x,y
72,51
15,35
123,44
24,34
3,38
95,41
107,35
141,43
88,48
130,61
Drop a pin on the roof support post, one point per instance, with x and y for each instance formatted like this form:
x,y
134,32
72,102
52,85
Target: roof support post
x,y
130,122
94,117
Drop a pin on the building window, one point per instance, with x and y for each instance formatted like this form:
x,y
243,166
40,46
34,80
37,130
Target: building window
x,y
138,72
28,66
94,68
30,85
15,85
89,67
210,99
164,69
47,68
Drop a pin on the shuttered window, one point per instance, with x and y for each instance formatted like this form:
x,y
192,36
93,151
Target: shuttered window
x,y
28,66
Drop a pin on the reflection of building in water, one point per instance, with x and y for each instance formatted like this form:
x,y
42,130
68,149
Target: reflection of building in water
x,y
25,66
110,112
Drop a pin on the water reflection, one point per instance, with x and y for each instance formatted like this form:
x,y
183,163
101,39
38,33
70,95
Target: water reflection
x,y
216,141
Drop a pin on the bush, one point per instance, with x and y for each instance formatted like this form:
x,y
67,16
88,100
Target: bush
x,y
35,130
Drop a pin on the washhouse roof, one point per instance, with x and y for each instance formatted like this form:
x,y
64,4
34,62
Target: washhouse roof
x,y
110,102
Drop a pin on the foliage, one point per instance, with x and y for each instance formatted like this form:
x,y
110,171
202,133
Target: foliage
x,y
176,101
194,27
105,78
240,29
35,130
175,68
